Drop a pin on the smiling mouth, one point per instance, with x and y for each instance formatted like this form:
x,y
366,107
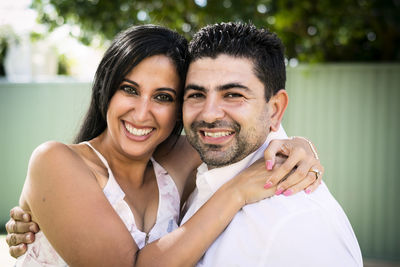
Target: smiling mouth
x,y
216,134
136,131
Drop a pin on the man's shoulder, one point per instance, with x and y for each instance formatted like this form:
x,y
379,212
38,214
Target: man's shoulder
x,y
281,210
289,205
279,224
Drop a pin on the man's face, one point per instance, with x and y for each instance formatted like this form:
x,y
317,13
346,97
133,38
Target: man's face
x,y
225,114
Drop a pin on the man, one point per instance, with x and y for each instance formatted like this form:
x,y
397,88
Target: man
x,y
233,104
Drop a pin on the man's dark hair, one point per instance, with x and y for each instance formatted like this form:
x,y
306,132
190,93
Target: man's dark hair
x,y
127,50
236,39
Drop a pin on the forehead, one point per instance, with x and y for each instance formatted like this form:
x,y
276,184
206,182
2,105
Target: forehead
x,y
155,71
211,72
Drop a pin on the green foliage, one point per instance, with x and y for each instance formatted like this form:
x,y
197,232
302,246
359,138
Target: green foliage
x,y
63,66
3,50
312,30
7,35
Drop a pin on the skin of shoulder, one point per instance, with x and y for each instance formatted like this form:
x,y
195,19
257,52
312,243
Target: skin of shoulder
x,y
60,189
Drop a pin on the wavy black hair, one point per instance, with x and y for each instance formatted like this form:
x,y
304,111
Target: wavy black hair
x,y
127,50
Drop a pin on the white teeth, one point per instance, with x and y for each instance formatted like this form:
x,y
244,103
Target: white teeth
x,y
137,132
217,134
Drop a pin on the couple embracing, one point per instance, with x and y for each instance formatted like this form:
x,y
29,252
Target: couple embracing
x,y
115,197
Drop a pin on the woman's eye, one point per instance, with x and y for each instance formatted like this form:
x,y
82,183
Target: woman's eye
x,y
129,89
164,98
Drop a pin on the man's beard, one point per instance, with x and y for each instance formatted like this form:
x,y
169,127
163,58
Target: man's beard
x,y
219,155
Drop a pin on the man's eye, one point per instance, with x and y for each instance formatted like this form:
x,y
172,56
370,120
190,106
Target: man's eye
x,y
129,89
233,95
164,98
195,95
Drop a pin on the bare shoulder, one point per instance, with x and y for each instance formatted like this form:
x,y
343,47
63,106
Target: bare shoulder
x,y
52,154
54,165
47,171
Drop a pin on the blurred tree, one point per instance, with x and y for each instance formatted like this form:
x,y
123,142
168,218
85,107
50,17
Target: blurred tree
x,y
312,30
7,36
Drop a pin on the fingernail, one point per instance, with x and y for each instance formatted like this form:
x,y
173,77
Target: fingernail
x,y
32,228
267,185
308,191
287,192
29,238
25,217
279,191
270,164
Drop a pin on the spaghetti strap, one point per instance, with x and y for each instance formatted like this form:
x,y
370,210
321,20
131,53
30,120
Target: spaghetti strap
x,y
103,160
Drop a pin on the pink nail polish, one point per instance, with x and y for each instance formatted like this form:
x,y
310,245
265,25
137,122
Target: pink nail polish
x,y
278,192
267,185
308,191
287,192
270,164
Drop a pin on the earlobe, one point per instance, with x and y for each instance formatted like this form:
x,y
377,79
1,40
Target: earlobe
x,y
278,105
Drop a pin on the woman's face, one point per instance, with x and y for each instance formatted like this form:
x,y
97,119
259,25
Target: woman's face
x,y
143,111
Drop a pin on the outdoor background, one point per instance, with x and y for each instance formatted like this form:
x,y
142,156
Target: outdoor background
x,y
343,68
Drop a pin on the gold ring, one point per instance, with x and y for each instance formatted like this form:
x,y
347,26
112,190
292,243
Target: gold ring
x,y
317,173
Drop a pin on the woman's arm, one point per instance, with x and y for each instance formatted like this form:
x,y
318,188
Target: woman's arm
x,y
186,245
86,231
64,198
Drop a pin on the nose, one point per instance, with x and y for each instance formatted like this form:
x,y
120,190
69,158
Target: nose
x,y
142,109
212,109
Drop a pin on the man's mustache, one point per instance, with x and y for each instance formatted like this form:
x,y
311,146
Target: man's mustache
x,y
216,124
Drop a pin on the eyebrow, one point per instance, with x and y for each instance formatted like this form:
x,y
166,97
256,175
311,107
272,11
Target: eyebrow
x,y
166,89
219,88
232,85
158,89
195,87
129,81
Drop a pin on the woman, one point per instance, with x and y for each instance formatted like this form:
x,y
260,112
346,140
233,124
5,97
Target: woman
x,y
129,154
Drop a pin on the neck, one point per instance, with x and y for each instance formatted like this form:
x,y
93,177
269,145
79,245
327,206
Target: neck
x,y
127,170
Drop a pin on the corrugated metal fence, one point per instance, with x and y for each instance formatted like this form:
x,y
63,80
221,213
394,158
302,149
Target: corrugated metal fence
x,y
349,111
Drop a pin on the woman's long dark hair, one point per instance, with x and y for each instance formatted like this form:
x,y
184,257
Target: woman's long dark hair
x,y
127,50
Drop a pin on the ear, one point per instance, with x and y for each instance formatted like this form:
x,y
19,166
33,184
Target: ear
x,y
277,106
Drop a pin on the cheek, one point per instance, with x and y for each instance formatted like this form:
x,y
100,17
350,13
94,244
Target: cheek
x,y
187,115
248,115
111,111
167,117
117,106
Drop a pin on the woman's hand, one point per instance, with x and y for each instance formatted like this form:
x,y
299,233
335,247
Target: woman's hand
x,y
20,231
302,166
248,185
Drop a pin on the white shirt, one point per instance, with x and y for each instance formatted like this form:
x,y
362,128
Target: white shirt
x,y
299,230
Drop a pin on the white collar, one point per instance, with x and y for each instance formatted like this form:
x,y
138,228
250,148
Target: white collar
x,y
215,178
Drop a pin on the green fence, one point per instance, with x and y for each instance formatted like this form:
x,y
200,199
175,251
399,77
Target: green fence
x,y
349,111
